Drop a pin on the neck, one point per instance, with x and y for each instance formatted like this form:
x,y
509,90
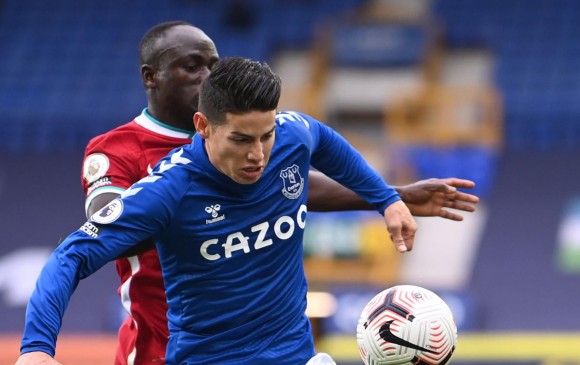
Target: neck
x,y
172,119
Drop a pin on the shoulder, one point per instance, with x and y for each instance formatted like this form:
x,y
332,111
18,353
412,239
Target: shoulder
x,y
296,127
180,160
290,123
116,152
124,144
172,174
295,119
126,133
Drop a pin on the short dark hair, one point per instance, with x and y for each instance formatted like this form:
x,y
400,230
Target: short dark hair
x,y
238,85
148,53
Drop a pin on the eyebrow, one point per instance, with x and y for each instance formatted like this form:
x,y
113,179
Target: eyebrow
x,y
248,136
197,58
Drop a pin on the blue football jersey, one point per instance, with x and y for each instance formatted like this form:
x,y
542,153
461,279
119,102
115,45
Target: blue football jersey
x,y
231,253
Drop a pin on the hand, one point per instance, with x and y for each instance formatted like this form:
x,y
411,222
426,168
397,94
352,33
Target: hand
x,y
36,358
401,226
427,198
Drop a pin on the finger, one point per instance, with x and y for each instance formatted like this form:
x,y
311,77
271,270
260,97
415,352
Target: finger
x,y
459,183
397,238
459,206
442,187
450,215
460,196
409,242
408,235
400,244
469,198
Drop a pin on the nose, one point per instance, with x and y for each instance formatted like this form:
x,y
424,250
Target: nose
x,y
256,152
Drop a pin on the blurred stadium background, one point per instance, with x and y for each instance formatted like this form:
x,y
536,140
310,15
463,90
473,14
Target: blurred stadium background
x,y
482,89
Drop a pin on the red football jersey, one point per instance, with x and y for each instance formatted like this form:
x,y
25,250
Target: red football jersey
x,y
113,162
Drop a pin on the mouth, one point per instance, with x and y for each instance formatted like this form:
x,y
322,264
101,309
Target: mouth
x,y
253,168
253,171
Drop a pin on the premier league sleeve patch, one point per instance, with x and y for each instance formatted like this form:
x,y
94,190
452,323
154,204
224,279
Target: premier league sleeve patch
x,y
95,167
109,213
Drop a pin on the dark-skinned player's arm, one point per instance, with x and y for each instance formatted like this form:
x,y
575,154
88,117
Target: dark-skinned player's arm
x,y
424,198
100,201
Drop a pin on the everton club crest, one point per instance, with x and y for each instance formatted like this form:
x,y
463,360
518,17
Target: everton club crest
x,y
293,182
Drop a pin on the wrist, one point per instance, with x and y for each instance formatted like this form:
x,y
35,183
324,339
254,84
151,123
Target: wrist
x,y
401,191
394,198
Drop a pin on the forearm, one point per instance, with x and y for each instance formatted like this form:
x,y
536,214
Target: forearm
x,y
76,258
46,307
340,161
327,195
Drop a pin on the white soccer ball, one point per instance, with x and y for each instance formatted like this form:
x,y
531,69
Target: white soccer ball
x,y
406,324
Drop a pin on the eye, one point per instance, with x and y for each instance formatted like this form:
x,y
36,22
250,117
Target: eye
x,y
239,139
267,136
191,68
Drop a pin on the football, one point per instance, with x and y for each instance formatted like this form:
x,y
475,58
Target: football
x,y
406,324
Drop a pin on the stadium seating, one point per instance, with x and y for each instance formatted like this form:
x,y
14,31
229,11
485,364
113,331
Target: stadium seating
x,y
93,69
73,66
537,53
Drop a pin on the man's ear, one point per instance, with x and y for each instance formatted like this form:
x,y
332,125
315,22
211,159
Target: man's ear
x,y
201,125
148,74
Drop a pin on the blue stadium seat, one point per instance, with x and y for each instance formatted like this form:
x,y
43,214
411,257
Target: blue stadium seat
x,y
470,162
245,44
378,44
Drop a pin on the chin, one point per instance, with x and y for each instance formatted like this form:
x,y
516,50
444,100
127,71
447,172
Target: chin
x,y
247,180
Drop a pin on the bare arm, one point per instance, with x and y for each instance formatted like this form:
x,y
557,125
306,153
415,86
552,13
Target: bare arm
x,y
327,195
103,199
425,198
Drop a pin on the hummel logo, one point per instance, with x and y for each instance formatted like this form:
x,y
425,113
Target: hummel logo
x,y
387,335
213,210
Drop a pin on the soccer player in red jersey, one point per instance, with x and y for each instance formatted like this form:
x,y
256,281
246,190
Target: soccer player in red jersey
x,y
175,58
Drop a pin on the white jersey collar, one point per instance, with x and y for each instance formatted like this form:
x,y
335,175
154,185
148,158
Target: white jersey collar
x,y
148,122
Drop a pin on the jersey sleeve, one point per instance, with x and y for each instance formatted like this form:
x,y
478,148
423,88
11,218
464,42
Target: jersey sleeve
x,y
142,211
335,157
110,165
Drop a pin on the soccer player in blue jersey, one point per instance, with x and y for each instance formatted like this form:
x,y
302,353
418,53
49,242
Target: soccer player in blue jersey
x,y
227,214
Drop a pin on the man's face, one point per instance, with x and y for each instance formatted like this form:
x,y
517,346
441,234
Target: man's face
x,y
241,147
186,58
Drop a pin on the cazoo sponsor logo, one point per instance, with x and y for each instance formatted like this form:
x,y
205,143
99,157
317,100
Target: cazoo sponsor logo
x,y
283,229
